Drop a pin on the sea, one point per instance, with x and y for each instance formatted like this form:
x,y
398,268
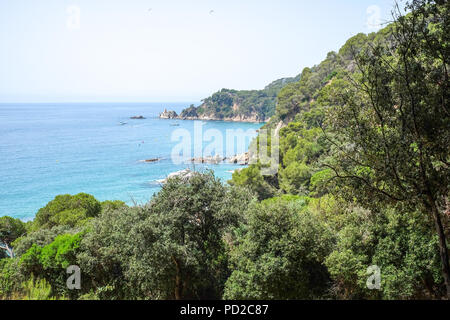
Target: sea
x,y
47,149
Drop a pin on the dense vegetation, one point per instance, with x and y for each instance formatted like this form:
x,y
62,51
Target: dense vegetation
x,y
241,104
363,180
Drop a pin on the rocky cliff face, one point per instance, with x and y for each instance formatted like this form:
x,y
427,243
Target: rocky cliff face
x,y
235,118
239,105
168,114
231,110
189,113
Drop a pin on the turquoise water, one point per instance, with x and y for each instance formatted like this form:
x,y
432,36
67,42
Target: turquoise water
x,y
51,149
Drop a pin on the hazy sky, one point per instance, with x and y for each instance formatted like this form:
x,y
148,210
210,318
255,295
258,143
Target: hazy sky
x,y
167,50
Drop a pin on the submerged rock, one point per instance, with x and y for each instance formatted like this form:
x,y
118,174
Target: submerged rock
x,y
137,117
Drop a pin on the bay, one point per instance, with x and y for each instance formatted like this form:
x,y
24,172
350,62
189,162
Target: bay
x,y
48,149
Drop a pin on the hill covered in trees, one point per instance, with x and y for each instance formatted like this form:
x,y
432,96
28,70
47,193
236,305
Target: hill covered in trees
x,y
239,105
362,184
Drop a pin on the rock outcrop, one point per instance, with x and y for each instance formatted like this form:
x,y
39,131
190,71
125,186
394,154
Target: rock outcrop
x,y
189,113
238,118
182,174
151,160
242,159
239,105
168,114
209,159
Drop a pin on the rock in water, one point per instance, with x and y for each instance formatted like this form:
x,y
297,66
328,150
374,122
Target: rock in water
x,y
242,159
168,114
151,160
183,174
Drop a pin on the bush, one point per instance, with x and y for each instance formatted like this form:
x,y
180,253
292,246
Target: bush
x,y
280,254
402,245
68,210
171,248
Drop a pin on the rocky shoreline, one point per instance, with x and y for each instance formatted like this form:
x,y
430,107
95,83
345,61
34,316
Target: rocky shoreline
x,y
185,174
232,119
170,114
242,159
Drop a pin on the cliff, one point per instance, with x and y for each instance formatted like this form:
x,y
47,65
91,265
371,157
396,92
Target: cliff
x,y
168,114
239,105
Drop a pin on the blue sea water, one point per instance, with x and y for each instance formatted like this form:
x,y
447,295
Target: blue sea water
x,y
51,149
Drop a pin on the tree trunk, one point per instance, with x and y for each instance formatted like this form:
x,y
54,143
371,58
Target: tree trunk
x,y
443,251
178,281
8,249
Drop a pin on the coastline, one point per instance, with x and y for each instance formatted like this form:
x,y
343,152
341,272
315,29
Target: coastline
x,y
245,120
105,165
172,115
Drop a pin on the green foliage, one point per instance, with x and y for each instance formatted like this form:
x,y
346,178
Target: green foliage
x,y
10,230
172,248
402,245
61,252
228,103
281,253
51,261
320,182
353,46
299,97
112,205
363,174
300,150
294,179
68,210
37,290
252,178
40,237
390,130
30,261
10,278
106,251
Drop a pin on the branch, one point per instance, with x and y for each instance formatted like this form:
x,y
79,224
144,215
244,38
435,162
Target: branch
x,y
8,249
365,182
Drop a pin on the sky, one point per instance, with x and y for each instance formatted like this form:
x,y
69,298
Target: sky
x,y
167,50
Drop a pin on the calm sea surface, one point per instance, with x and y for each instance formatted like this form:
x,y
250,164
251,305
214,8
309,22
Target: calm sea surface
x,y
51,149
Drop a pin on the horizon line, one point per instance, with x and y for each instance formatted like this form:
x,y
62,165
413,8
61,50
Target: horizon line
x,y
56,102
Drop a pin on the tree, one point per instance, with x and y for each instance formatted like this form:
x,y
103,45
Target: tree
x,y
391,130
279,253
106,250
41,237
401,244
112,205
51,261
10,230
10,278
252,179
171,248
68,210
